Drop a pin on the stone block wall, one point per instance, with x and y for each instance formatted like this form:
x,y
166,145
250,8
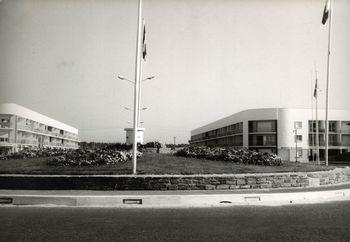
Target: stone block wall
x,y
177,182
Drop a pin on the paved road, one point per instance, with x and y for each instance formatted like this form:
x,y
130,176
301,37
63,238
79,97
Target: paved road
x,y
308,222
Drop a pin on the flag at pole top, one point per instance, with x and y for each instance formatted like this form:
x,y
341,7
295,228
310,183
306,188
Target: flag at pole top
x,y
315,90
325,12
144,50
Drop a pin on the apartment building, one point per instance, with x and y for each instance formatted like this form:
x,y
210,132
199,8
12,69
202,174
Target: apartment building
x,y
289,133
21,128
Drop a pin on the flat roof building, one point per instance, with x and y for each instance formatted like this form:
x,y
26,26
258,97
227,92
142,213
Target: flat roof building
x,y
21,127
290,133
129,138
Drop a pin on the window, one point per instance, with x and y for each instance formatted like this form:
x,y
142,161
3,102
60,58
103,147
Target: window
x,y
298,138
49,128
262,126
262,140
270,140
332,126
297,124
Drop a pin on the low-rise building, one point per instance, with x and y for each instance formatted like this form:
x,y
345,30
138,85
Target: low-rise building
x,y
21,128
129,135
290,133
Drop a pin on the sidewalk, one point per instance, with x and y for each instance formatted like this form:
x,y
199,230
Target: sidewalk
x,y
166,199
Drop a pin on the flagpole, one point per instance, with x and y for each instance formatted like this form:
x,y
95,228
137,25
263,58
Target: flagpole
x,y
317,139
312,123
137,85
140,83
328,74
139,94
317,130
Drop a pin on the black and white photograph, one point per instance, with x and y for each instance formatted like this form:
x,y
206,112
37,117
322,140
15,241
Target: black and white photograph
x,y
175,120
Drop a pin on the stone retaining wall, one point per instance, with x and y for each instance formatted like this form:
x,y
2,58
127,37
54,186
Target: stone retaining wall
x,y
176,182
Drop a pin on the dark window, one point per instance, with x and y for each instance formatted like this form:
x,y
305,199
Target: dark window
x,y
262,126
332,126
298,138
262,140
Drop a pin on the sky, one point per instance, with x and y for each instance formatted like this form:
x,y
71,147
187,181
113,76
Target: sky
x,y
210,58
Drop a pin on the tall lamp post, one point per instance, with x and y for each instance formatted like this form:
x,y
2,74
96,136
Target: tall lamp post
x,y
297,125
295,131
140,109
137,94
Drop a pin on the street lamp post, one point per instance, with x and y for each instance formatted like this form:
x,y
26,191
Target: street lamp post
x,y
140,109
296,144
137,92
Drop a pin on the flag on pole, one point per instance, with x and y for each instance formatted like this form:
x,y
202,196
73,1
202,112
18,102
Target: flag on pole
x,y
315,90
325,12
144,50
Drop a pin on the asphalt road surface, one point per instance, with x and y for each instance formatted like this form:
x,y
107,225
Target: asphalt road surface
x,y
326,222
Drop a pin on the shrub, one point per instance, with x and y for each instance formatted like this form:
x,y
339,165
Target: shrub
x,y
84,157
33,153
244,156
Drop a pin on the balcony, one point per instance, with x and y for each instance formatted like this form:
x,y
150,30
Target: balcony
x,y
5,126
46,132
27,142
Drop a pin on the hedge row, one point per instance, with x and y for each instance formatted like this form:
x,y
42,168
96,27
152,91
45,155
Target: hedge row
x,y
33,153
244,156
82,157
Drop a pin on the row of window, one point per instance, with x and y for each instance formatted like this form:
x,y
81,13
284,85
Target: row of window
x,y
2,139
262,126
333,126
262,140
236,140
236,128
333,139
267,126
39,127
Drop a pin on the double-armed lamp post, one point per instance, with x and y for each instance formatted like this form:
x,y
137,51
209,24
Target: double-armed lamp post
x,y
137,120
137,81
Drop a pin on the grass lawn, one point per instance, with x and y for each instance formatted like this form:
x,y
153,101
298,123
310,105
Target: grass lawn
x,y
152,164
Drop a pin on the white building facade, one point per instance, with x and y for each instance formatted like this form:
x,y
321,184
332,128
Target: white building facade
x,y
290,133
21,128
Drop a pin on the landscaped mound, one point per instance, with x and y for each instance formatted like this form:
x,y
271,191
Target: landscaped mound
x,y
82,157
244,156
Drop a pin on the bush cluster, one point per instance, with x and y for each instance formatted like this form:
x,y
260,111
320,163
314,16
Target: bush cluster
x,y
33,153
83,157
244,156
